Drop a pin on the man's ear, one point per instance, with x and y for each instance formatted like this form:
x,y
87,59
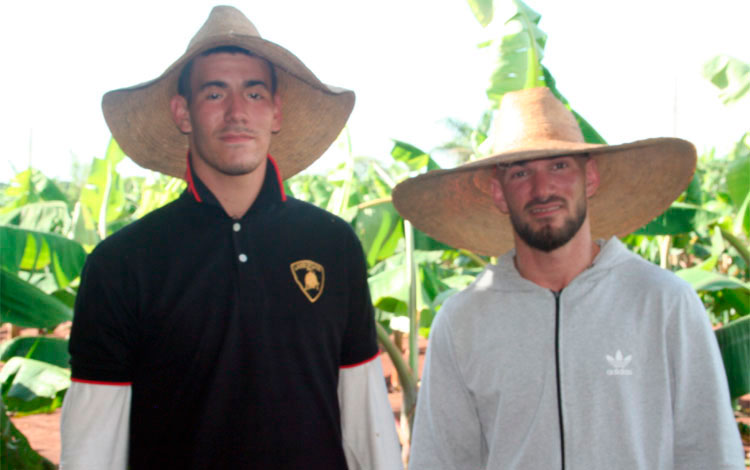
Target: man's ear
x,y
181,114
277,117
592,177
496,189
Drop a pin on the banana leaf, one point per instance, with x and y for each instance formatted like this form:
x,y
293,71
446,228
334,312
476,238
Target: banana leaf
x,y
730,75
415,159
679,218
734,342
27,306
103,196
738,185
50,350
31,250
703,280
390,291
157,191
30,386
738,173
483,10
515,50
29,187
45,216
379,228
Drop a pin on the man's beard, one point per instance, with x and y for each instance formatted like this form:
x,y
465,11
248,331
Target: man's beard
x,y
548,239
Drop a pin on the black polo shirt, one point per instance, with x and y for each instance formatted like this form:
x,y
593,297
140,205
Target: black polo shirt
x,y
231,332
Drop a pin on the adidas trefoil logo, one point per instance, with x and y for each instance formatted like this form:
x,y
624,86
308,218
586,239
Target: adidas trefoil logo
x,y
619,364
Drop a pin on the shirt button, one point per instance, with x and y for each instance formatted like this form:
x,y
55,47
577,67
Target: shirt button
x,y
243,257
236,227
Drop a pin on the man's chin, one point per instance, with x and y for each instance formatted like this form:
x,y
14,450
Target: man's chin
x,y
238,170
545,237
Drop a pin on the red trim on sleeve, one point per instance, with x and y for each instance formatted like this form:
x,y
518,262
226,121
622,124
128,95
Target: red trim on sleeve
x,y
349,366
278,177
189,179
96,382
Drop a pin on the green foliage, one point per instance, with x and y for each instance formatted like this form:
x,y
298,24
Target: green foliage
x,y
33,251
734,342
679,218
103,196
28,187
45,216
703,280
515,47
30,386
15,451
25,305
483,10
380,229
738,184
50,350
730,75
415,159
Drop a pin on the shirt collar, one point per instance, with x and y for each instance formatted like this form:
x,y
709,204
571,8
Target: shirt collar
x,y
270,193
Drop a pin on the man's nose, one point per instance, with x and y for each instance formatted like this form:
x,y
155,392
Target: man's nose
x,y
236,110
541,185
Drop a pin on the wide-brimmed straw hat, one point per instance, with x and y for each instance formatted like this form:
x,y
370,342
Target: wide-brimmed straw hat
x,y
313,112
638,180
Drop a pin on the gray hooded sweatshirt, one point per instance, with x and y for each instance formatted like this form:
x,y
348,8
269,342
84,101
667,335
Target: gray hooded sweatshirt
x,y
620,370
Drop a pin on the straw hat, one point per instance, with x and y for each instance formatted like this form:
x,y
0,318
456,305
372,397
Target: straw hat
x,y
638,180
313,112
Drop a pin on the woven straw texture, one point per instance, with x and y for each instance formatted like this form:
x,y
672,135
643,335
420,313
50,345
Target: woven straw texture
x,y
638,180
313,113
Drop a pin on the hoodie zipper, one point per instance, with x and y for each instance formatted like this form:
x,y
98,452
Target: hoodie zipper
x,y
557,376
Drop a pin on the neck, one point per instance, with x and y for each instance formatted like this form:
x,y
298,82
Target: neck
x,y
235,193
555,269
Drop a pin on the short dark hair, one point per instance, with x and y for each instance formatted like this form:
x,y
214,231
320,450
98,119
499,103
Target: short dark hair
x,y
183,83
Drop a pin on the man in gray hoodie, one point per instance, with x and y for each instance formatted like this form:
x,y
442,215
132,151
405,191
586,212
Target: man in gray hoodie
x,y
570,352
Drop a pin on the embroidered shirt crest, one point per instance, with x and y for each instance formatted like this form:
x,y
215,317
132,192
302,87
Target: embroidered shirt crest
x,y
310,277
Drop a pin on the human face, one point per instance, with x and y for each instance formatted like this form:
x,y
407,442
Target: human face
x,y
231,115
546,199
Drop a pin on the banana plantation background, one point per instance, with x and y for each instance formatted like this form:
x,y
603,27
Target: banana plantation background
x,y
47,228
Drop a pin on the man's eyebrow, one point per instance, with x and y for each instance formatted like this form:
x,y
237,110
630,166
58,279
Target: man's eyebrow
x,y
252,83
505,166
213,83
224,85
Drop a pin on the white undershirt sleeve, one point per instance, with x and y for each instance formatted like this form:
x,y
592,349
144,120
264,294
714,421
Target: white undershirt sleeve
x,y
368,428
94,427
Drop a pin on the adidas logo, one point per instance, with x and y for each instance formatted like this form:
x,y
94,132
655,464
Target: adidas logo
x,y
619,363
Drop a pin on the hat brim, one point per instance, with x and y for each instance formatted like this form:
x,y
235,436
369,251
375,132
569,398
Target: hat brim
x,y
313,113
638,181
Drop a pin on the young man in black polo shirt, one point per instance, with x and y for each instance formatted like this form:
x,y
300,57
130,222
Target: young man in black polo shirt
x,y
232,328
